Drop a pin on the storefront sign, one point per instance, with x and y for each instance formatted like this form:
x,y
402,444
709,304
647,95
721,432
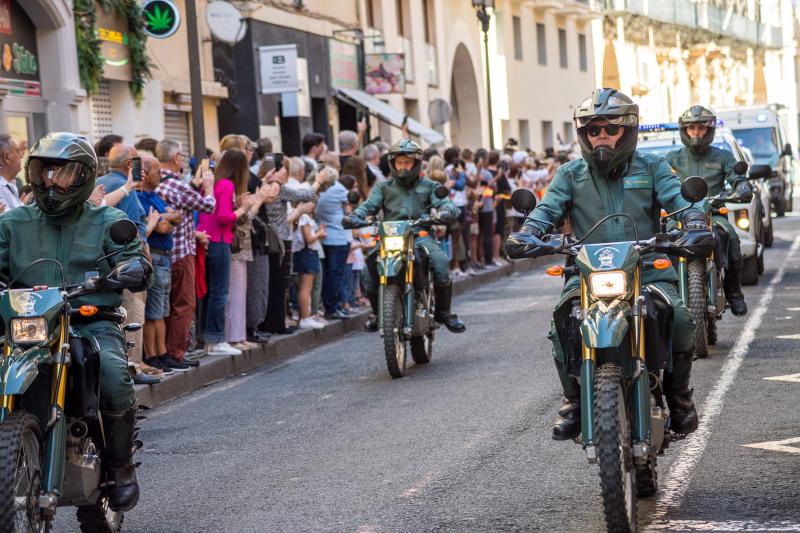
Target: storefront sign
x,y
161,17
112,30
19,64
385,73
344,65
278,66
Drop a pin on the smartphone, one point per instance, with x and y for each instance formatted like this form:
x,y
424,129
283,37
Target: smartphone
x,y
278,161
136,168
268,162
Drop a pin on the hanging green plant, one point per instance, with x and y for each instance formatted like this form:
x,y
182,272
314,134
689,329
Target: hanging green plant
x,y
90,60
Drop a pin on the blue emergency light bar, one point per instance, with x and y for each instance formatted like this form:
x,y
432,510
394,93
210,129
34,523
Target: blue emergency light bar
x,y
666,126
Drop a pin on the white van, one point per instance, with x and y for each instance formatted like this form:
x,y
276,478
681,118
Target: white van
x,y
762,129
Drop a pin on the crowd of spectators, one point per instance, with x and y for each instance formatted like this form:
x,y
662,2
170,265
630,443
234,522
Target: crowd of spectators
x,y
247,243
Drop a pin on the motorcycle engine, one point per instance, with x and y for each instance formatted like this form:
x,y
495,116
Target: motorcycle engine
x,y
82,470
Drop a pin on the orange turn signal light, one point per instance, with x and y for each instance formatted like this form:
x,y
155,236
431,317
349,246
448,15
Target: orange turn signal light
x,y
664,213
662,264
555,271
88,310
723,210
423,233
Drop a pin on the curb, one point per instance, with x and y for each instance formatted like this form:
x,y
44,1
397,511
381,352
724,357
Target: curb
x,y
213,369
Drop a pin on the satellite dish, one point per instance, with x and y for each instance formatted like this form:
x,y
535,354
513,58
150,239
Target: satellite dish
x,y
225,22
439,111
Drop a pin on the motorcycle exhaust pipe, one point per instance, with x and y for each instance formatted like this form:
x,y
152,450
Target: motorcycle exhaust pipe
x,y
78,429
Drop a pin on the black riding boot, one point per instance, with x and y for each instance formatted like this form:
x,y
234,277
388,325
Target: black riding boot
x,y
567,425
372,319
119,428
443,294
682,414
733,290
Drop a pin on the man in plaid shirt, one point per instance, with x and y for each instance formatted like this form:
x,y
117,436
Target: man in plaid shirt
x,y
184,198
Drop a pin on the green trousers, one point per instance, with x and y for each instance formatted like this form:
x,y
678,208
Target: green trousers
x,y
116,384
734,244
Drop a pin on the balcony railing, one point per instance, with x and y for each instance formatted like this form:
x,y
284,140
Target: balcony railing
x,y
701,16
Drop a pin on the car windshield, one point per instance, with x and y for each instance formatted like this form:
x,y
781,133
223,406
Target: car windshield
x,y
762,142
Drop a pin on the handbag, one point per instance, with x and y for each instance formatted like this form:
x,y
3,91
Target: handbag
x,y
241,231
274,241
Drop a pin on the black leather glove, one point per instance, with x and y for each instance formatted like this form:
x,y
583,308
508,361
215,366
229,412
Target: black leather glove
x,y
695,221
353,222
533,230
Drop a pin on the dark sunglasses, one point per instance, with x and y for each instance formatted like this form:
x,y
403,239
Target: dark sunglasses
x,y
610,129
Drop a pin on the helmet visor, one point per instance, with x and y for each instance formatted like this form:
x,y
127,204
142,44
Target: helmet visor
x,y
709,123
64,175
617,120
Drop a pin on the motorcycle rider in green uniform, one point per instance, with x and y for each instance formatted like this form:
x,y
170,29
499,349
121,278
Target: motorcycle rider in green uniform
x,y
61,225
612,177
407,195
699,158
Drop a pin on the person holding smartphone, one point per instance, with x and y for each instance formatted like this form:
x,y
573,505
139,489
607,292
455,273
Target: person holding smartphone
x,y
124,159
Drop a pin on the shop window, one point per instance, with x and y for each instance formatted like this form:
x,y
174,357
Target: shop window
x,y
547,134
524,134
176,127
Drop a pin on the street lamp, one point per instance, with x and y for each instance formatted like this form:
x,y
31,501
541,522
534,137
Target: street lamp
x,y
481,6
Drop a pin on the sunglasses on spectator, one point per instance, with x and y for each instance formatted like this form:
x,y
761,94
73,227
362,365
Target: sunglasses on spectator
x,y
610,129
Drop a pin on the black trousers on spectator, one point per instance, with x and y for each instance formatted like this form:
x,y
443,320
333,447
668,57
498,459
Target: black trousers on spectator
x,y
485,220
280,271
465,236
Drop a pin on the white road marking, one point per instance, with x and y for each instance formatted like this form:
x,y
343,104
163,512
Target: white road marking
x,y
792,378
728,525
793,308
777,445
795,337
679,476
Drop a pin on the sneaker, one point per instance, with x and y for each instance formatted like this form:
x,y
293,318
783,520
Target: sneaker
x,y
156,362
143,379
310,323
318,319
471,272
338,315
170,362
222,348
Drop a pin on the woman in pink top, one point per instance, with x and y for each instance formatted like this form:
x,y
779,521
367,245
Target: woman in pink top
x,y
233,201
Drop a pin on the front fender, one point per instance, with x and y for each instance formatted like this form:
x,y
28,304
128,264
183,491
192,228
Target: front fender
x,y
19,370
605,324
390,266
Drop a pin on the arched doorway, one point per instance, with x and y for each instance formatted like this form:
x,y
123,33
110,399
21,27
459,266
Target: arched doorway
x,y
465,122
610,67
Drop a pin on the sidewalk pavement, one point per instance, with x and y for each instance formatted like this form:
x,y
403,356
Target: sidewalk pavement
x,y
213,369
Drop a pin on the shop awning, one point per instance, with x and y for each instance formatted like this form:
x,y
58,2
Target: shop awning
x,y
388,114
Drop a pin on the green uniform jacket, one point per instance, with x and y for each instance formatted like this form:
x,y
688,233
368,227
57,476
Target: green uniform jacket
x,y
76,240
399,203
647,184
715,166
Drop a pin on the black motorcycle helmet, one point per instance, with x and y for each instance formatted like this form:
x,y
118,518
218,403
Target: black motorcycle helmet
x,y
61,169
619,110
697,114
407,147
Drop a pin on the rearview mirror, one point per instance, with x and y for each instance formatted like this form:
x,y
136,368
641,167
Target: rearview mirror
x,y
523,201
740,168
760,172
353,197
787,149
441,192
123,232
694,189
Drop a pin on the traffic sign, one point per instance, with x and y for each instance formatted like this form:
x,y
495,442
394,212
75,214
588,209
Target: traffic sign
x,y
161,18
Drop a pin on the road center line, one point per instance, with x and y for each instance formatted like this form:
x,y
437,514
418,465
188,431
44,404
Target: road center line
x,y
678,477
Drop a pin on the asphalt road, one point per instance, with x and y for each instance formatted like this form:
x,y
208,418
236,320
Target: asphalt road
x,y
326,441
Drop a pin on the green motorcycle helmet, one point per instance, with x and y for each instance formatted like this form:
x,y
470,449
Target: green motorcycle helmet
x,y
61,169
697,114
407,147
619,110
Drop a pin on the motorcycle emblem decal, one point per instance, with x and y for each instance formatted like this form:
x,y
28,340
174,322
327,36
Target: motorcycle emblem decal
x,y
606,257
24,302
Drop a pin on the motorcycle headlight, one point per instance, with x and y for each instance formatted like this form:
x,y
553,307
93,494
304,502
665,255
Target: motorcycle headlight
x,y
742,220
28,330
393,244
608,284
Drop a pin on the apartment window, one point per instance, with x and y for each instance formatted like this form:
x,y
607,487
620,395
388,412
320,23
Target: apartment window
x,y
401,26
547,134
562,48
374,17
430,31
583,58
524,135
517,26
541,43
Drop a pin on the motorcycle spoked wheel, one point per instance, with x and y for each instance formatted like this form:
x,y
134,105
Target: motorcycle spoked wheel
x,y
20,475
422,347
394,345
99,518
614,453
696,274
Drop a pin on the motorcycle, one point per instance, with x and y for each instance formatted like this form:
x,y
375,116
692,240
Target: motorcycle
x,y
405,310
616,335
701,281
51,432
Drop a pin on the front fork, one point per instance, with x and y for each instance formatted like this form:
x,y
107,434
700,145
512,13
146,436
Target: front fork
x,y
408,296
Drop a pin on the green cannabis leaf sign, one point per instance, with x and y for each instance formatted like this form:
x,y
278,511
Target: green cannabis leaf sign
x,y
161,18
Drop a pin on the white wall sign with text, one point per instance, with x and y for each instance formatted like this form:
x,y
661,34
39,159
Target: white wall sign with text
x,y
278,66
